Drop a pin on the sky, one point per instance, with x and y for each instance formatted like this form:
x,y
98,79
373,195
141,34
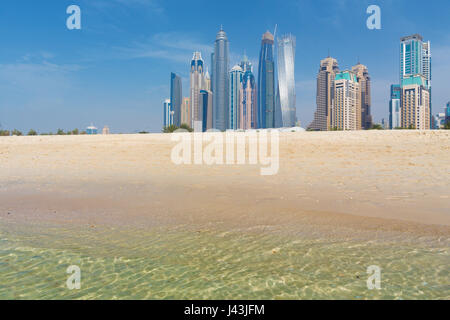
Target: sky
x,y
115,71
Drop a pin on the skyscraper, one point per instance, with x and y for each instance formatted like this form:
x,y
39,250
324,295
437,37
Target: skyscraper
x,y
197,84
176,98
168,114
266,83
415,103
220,82
346,105
286,79
248,118
362,74
415,59
186,111
325,92
206,109
394,107
236,76
447,113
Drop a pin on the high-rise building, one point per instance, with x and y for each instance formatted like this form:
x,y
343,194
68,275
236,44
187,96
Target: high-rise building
x,y
447,113
362,74
248,118
346,103
266,83
286,79
207,81
325,92
186,111
415,59
197,84
236,76
439,121
395,107
245,64
206,107
415,103
176,97
168,113
220,82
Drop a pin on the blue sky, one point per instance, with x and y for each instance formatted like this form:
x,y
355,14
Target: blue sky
x,y
115,71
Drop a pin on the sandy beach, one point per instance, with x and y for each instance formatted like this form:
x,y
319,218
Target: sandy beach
x,y
332,189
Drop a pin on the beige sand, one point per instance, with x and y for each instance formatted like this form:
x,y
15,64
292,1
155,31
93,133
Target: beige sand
x,y
356,180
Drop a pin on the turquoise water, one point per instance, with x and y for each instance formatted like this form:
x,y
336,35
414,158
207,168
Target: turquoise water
x,y
177,263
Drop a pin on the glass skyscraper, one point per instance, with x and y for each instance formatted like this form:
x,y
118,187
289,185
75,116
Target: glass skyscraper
x,y
394,107
266,83
286,79
236,75
415,60
220,82
197,84
176,98
168,114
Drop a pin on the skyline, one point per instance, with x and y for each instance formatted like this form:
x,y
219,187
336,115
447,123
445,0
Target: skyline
x,y
120,78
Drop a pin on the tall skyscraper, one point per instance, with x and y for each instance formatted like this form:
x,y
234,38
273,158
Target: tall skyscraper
x,y
168,114
220,82
206,109
207,81
286,79
236,76
245,64
186,111
395,107
415,103
447,112
176,97
362,74
197,84
325,94
415,59
346,105
266,83
248,118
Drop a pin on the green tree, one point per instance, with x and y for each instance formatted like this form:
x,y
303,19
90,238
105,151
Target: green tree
x,y
60,132
75,132
447,125
186,127
16,132
5,133
170,129
32,132
377,126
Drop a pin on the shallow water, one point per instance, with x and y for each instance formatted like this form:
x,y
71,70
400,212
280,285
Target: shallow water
x,y
183,263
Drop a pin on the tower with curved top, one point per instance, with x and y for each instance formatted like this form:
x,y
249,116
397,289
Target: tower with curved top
x,y
266,83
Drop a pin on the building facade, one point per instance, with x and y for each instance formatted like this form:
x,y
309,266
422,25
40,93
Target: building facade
x,y
365,118
235,89
266,83
186,111
325,93
248,118
197,84
176,97
395,107
415,103
415,60
447,112
346,103
206,107
168,114
286,80
220,81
